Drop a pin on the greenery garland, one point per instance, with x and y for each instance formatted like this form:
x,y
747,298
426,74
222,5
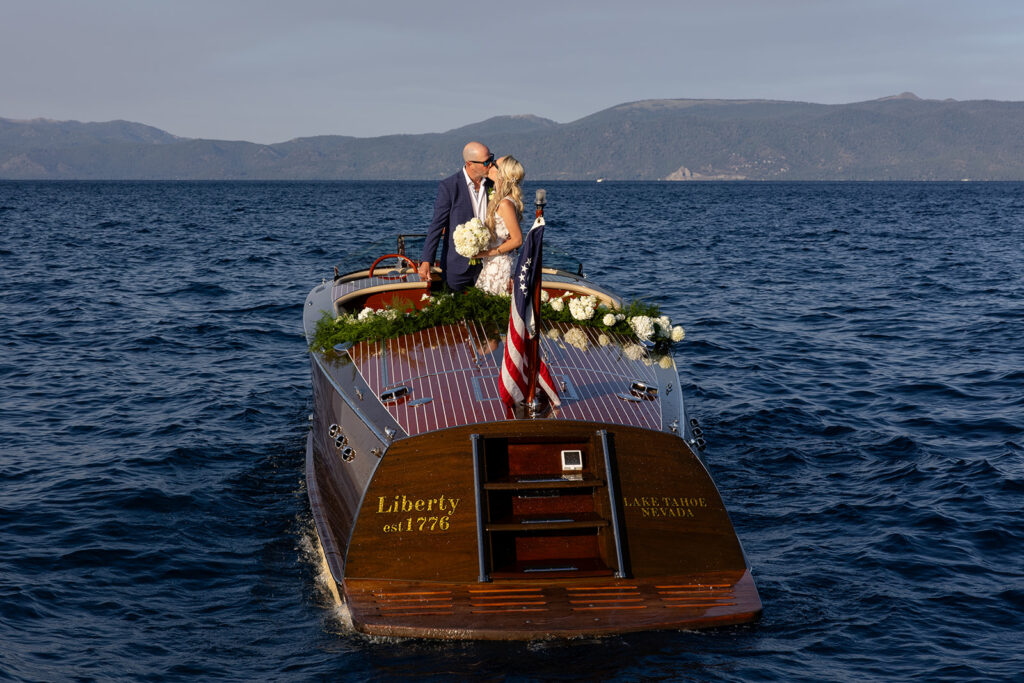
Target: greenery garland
x,y
491,310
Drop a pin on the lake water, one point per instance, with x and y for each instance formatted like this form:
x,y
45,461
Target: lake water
x,y
854,352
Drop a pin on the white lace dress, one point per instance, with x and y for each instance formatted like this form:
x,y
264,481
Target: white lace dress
x,y
494,275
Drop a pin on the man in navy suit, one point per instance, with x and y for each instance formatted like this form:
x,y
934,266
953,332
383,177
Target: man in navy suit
x,y
460,197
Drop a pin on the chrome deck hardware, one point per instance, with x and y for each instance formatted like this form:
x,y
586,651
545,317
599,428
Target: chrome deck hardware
x,y
393,395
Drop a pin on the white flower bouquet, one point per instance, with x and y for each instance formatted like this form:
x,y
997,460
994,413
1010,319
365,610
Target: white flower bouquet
x,y
582,308
651,329
643,327
634,351
578,338
471,238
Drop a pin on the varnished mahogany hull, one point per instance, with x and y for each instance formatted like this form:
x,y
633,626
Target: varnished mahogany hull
x,y
400,532
439,516
548,610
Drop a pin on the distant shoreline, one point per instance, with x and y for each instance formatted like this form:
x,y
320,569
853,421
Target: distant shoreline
x,y
893,139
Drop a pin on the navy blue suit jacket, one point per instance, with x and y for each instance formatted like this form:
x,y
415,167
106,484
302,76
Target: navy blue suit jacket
x,y
454,206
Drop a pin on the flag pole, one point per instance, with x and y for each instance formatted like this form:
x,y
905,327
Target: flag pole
x,y
523,371
533,352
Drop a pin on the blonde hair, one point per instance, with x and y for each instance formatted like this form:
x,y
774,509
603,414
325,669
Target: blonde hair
x,y
510,174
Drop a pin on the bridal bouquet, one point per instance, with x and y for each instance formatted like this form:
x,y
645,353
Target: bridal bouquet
x,y
471,238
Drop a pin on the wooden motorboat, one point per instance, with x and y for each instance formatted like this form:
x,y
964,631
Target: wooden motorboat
x,y
442,515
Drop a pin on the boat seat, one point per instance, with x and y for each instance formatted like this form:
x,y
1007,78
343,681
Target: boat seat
x,y
347,292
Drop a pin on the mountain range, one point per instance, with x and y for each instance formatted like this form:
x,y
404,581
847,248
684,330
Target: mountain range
x,y
893,138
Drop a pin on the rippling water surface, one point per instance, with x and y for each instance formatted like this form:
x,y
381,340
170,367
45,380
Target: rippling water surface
x,y
855,354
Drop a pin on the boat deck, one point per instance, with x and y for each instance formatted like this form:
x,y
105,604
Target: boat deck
x,y
447,376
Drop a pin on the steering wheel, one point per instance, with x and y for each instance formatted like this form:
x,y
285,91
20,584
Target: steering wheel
x,y
392,277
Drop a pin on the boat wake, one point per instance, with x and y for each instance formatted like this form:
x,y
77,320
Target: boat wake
x,y
328,598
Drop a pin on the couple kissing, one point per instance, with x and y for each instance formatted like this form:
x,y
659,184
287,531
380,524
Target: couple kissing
x,y
487,189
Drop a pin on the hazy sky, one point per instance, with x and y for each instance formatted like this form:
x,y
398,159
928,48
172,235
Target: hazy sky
x,y
272,70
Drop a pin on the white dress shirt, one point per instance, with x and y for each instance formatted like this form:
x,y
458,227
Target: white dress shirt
x,y
478,198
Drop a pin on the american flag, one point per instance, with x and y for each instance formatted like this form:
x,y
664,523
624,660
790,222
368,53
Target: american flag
x,y
515,371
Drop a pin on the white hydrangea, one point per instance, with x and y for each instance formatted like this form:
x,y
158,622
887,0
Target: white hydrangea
x,y
634,351
471,237
389,314
665,362
366,314
425,297
665,324
582,308
577,338
603,339
553,333
620,316
558,304
643,326
678,333
609,320
544,296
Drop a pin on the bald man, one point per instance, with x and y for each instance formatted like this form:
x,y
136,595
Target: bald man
x,y
460,197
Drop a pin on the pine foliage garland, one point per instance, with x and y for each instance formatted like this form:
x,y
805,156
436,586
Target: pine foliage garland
x,y
401,318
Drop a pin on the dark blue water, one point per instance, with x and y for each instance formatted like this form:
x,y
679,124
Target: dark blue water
x,y
855,353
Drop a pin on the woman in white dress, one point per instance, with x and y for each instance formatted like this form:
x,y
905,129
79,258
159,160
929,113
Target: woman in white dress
x,y
504,210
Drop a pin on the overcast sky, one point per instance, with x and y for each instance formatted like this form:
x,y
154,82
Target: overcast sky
x,y
272,70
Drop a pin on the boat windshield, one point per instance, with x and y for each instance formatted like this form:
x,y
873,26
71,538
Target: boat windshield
x,y
411,245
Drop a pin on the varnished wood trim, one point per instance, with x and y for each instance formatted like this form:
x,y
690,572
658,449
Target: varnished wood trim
x,y
328,546
359,293
582,290
558,609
